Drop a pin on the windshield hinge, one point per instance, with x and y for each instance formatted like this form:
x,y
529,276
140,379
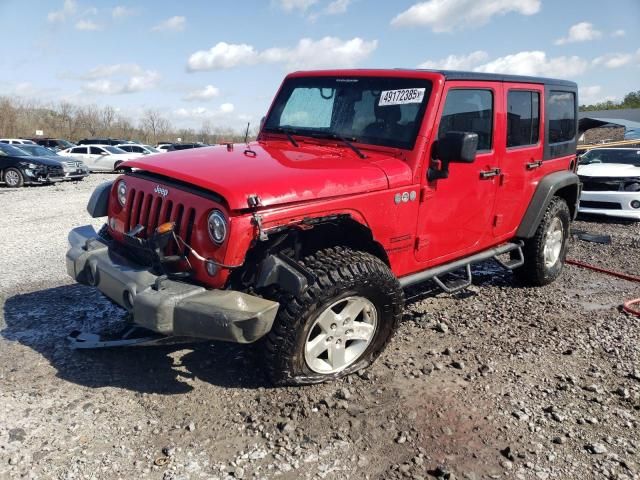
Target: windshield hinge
x,y
254,202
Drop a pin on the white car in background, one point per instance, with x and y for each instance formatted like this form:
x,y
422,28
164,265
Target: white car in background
x,y
100,158
137,148
610,182
17,141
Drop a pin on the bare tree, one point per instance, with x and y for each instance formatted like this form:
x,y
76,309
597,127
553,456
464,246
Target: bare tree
x,y
154,125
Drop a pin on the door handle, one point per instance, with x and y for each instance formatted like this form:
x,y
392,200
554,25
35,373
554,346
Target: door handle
x,y
534,164
494,172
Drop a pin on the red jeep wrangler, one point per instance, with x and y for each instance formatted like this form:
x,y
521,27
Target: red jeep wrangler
x,y
360,183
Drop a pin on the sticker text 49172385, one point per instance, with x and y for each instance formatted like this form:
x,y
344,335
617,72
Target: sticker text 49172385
x,y
401,97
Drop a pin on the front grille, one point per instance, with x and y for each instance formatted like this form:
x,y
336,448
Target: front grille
x,y
607,184
150,210
55,171
602,205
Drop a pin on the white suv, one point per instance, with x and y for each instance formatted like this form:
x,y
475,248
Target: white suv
x,y
99,158
17,141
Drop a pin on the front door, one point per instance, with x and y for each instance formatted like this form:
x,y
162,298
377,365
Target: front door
x,y
456,212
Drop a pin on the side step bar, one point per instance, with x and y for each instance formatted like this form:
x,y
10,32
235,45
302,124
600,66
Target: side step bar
x,y
457,285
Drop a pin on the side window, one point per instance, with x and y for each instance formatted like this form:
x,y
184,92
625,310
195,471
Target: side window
x,y
523,118
469,111
79,150
561,113
97,151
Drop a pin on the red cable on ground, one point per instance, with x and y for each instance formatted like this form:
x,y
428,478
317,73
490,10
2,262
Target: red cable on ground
x,y
626,306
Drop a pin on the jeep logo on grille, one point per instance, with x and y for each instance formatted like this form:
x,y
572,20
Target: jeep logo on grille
x,y
163,192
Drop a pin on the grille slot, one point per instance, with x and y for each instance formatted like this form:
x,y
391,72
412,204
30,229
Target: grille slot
x,y
602,205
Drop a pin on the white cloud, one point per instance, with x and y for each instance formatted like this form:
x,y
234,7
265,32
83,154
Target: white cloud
x,y
618,33
457,62
120,78
589,94
173,24
205,93
328,52
617,60
120,11
222,55
204,113
69,8
448,15
580,32
536,63
337,7
87,25
324,53
292,5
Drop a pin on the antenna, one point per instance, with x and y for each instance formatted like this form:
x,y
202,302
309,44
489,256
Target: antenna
x,y
246,134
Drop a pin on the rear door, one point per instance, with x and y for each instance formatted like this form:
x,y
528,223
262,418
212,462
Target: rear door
x,y
520,155
101,158
456,212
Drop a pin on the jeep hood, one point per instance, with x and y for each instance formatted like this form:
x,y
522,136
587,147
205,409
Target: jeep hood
x,y
277,175
609,170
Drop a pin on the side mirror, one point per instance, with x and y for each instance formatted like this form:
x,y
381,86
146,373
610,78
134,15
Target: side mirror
x,y
456,147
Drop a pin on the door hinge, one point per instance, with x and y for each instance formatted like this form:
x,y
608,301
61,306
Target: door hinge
x,y
421,242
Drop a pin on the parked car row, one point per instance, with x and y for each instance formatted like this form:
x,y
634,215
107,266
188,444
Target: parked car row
x,y
75,161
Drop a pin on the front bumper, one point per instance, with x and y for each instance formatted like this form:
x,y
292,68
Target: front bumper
x,y
166,306
613,204
74,174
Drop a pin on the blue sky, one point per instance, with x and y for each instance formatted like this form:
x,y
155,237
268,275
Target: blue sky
x,y
221,61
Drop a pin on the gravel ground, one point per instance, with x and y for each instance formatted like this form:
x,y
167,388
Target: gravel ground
x,y
495,382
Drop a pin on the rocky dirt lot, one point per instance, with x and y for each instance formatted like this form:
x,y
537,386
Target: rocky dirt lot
x,y
496,382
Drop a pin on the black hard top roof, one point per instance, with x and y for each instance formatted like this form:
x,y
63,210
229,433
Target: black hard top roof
x,y
500,77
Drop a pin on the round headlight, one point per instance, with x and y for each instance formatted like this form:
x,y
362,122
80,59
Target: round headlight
x,y
217,226
122,193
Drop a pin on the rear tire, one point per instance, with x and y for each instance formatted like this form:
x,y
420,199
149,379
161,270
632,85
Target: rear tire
x,y
13,178
545,253
339,324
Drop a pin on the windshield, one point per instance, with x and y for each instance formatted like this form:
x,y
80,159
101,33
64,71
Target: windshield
x,y
151,149
625,157
65,144
378,111
6,149
113,149
37,150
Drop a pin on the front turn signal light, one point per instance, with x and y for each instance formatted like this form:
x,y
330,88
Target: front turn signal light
x,y
165,228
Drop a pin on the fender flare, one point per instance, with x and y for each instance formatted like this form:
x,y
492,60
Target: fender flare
x,y
547,188
99,202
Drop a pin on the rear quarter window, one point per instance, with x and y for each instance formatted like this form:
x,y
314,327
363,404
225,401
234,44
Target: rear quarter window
x,y
561,115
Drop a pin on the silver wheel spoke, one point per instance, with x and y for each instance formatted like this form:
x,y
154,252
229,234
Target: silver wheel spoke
x,y
336,355
326,320
352,309
317,346
361,331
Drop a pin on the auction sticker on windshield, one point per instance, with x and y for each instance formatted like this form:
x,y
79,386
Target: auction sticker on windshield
x,y
401,97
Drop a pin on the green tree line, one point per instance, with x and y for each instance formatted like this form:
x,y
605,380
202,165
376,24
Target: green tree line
x,y
630,100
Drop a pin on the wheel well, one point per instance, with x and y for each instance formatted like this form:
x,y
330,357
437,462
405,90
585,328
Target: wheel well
x,y
570,195
300,240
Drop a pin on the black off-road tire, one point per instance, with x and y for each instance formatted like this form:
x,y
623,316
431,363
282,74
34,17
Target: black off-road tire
x,y
340,273
535,272
14,172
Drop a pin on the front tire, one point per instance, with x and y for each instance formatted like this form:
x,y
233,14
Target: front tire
x,y
545,253
339,324
13,178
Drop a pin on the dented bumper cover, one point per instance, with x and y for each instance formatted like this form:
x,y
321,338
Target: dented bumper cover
x,y
166,306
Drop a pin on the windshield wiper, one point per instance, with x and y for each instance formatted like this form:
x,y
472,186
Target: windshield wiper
x,y
288,133
335,136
